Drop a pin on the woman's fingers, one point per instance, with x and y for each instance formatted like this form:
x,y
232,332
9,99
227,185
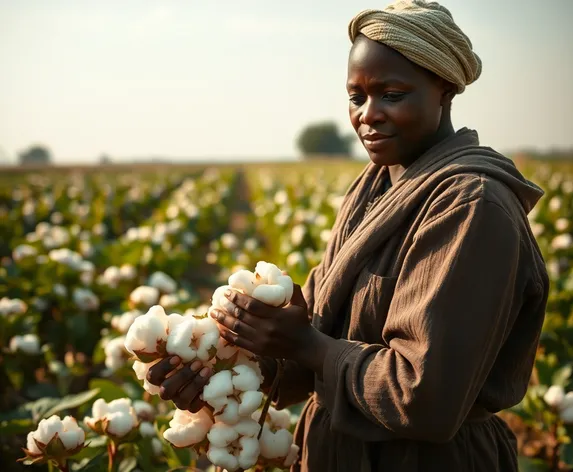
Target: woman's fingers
x,y
191,391
236,322
235,339
173,384
250,304
159,372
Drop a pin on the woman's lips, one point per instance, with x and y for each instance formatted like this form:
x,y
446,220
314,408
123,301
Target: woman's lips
x,y
376,142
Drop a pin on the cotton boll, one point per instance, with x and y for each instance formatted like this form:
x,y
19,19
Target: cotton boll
x,y
567,415
144,410
567,400
116,418
243,280
174,320
219,385
141,368
144,295
230,412
286,282
31,445
157,447
273,295
219,300
292,455
267,271
250,402
249,452
72,436
221,435
150,388
48,428
120,423
162,282
280,418
246,358
115,353
554,396
127,272
124,321
245,378
221,457
179,340
146,429
28,344
247,427
208,333
169,300
275,444
148,333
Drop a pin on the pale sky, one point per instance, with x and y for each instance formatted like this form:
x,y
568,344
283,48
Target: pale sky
x,y
240,78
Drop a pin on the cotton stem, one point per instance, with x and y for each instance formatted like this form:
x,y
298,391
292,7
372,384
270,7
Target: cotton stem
x,y
272,393
111,452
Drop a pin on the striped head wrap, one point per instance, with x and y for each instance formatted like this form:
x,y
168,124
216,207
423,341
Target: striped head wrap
x,y
426,34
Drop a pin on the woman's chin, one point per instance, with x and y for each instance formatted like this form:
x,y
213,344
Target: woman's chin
x,y
382,159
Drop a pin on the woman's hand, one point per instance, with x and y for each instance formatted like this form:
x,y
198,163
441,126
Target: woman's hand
x,y
266,330
183,386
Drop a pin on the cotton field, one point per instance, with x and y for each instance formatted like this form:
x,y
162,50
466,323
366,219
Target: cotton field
x,y
96,266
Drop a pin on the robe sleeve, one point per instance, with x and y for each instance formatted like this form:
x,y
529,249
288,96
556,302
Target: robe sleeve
x,y
446,324
297,382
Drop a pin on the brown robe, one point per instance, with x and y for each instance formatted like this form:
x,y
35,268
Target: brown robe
x,y
436,297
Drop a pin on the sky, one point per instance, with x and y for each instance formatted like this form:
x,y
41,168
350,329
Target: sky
x,y
239,79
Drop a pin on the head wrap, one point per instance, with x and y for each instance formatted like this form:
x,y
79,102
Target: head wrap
x,y
426,34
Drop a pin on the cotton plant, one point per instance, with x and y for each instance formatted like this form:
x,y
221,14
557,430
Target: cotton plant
x,y
116,355
28,344
560,402
116,419
55,440
144,296
12,306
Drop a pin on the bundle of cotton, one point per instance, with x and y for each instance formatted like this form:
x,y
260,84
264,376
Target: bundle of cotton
x,y
224,428
156,335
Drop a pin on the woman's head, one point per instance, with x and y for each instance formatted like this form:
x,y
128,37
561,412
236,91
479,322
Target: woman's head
x,y
406,64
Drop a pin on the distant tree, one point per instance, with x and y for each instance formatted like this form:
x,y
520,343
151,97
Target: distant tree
x,y
35,155
104,159
322,139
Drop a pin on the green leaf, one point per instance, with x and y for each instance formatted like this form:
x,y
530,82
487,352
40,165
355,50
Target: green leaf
x,y
127,464
13,427
526,464
567,454
561,376
108,390
71,401
96,463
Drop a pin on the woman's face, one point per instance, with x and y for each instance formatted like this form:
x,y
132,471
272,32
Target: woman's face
x,y
395,105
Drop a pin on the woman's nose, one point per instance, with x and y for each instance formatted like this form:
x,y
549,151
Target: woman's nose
x,y
372,112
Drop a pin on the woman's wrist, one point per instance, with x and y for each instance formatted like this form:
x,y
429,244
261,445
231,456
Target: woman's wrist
x,y
313,350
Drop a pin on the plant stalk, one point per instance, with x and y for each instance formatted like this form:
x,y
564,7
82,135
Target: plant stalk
x,y
555,453
273,391
111,451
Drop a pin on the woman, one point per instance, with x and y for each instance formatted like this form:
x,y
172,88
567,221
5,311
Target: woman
x,y
422,319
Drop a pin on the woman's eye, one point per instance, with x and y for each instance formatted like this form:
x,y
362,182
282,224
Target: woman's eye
x,y
357,99
393,96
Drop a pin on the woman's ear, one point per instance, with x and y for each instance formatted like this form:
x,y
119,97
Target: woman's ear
x,y
448,93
